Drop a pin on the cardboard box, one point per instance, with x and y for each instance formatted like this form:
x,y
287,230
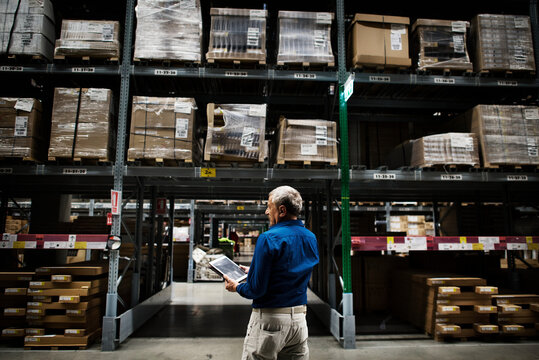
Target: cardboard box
x,y
445,329
22,131
380,40
96,38
305,37
445,149
235,132
307,140
82,123
163,128
502,43
485,309
486,328
440,44
237,34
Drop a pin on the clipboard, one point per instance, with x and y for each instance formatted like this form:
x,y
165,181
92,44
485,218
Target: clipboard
x,y
225,266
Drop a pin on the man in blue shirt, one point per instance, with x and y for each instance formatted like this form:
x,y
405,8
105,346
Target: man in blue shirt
x,y
277,282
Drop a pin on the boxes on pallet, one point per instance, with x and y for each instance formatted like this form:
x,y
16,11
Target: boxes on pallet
x,y
237,34
440,44
305,37
27,28
163,128
235,132
306,140
502,43
445,149
94,38
169,30
22,132
508,134
82,123
379,40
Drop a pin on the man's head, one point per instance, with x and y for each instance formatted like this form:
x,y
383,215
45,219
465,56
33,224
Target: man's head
x,y
284,203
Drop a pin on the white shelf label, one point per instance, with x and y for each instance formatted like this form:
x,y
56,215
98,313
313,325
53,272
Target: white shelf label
x,y
517,178
304,76
66,298
376,78
418,243
162,72
383,176
444,81
83,69
507,83
402,248
517,246
74,171
11,68
236,73
55,245
448,177
24,104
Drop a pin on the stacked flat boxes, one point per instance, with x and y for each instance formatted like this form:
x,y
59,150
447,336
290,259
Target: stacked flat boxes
x,y
503,43
163,128
445,149
459,307
307,140
508,134
93,38
517,314
13,297
237,34
169,30
305,37
413,225
33,28
81,123
14,226
235,132
22,132
67,303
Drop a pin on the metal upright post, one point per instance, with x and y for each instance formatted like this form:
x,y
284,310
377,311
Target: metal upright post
x,y
110,332
158,255
349,324
151,242
171,239
135,283
190,267
332,280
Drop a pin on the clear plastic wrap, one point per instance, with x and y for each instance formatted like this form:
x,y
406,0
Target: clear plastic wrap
x,y
33,28
235,132
169,30
307,140
98,38
305,37
440,44
509,134
81,123
21,128
503,43
445,149
237,34
162,128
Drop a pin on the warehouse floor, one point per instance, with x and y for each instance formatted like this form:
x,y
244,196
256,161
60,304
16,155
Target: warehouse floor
x,y
206,322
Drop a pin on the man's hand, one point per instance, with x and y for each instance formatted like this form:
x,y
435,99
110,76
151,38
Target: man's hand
x,y
230,284
245,269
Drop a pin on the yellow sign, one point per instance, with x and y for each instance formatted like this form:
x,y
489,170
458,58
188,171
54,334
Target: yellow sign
x,y
533,246
207,172
81,245
463,239
390,240
529,239
477,247
18,245
240,207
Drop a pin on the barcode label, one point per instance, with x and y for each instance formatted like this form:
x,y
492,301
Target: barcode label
x,y
21,126
458,26
182,107
322,135
532,147
323,18
257,110
248,136
107,33
253,34
320,38
182,128
396,41
98,94
458,43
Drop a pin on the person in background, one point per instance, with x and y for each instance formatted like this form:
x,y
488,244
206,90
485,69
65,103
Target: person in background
x,y
233,236
277,281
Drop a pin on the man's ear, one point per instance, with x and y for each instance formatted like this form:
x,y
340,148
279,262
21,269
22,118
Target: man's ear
x,y
282,211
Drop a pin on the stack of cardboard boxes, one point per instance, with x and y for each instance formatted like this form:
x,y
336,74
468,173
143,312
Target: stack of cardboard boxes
x,y
445,149
13,298
413,225
14,226
517,314
33,28
94,38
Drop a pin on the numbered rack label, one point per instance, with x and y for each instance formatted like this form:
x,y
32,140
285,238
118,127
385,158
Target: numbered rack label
x,y
444,81
507,83
448,177
74,171
236,73
304,76
384,79
11,68
162,72
83,70
517,178
381,176
6,171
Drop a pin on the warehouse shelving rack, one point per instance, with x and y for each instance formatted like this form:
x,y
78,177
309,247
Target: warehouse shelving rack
x,y
320,187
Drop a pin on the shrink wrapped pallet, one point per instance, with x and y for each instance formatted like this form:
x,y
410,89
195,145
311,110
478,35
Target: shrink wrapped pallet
x,y
307,140
440,44
27,30
162,128
503,43
305,37
235,132
380,40
169,30
81,123
22,133
445,149
237,34
96,38
508,134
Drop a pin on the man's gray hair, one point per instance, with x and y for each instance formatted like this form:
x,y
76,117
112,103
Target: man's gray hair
x,y
289,197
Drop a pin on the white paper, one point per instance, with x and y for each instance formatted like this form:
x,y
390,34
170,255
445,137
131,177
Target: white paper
x,y
107,32
521,22
402,248
248,136
418,243
323,18
182,128
183,107
257,110
322,135
532,147
253,34
531,113
24,104
398,29
458,26
257,14
309,149
465,142
458,43
396,41
21,126
97,94
320,38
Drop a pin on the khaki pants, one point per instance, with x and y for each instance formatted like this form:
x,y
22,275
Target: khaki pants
x,y
276,336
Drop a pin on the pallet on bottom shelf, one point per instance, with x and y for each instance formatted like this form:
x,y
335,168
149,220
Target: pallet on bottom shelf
x,y
62,340
68,292
85,305
67,284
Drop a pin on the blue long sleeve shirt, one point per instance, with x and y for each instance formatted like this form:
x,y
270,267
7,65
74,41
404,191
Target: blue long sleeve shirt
x,y
281,267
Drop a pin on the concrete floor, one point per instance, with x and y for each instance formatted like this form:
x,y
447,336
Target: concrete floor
x,y
206,322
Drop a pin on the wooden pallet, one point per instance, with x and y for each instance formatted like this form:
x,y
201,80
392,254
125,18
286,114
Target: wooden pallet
x,y
507,73
237,63
304,65
167,62
233,163
61,342
86,60
450,71
511,167
78,160
17,159
304,164
449,167
382,68
25,59
162,162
